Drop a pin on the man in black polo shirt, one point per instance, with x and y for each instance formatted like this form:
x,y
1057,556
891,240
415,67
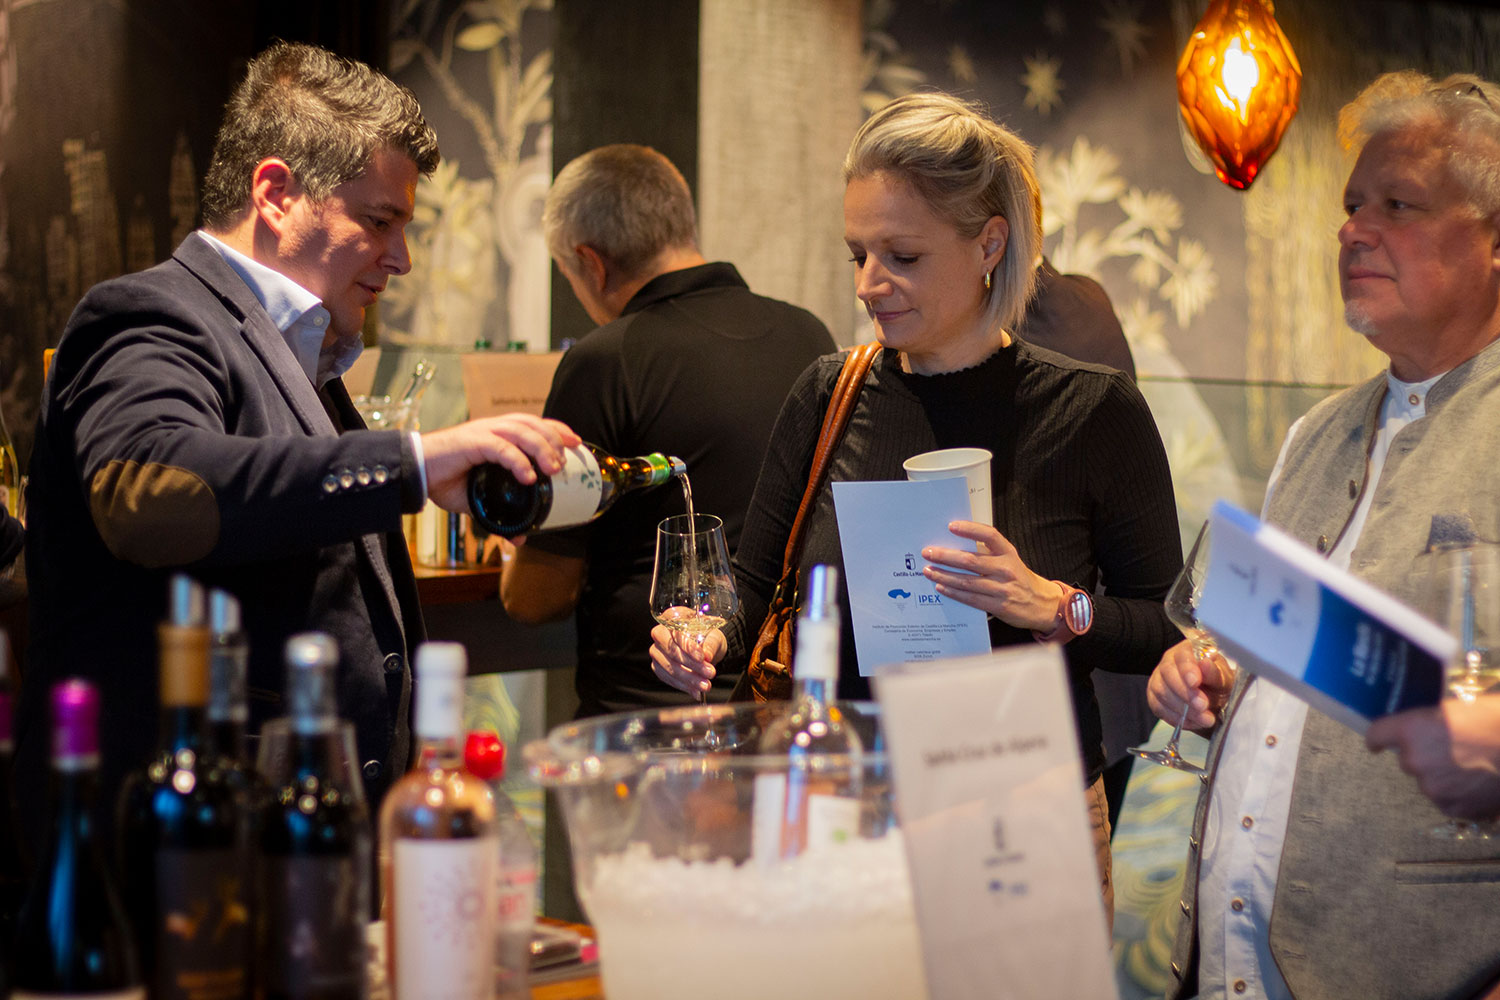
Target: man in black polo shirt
x,y
687,362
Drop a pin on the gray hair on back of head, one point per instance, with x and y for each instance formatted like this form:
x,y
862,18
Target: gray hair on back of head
x,y
627,202
1462,106
968,169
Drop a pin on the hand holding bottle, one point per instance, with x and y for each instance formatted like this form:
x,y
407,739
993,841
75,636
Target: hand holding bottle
x,y
513,440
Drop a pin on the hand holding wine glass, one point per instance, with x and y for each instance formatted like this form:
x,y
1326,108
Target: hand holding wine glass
x,y
692,585
1468,596
1182,608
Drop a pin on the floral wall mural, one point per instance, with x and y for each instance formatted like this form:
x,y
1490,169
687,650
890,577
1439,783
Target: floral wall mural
x,y
483,71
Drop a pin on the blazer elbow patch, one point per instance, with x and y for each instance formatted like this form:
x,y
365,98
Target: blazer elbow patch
x,y
154,515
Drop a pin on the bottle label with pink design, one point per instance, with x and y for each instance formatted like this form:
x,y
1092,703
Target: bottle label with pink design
x,y
444,906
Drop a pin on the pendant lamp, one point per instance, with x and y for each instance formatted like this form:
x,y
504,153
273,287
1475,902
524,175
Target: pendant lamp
x,y
1238,82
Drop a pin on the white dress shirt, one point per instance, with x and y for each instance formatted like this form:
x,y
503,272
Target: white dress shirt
x,y
1252,790
303,322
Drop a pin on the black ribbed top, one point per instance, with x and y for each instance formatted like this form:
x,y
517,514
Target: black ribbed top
x,y
1079,478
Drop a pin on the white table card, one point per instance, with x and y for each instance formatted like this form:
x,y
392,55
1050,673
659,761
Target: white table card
x,y
898,616
984,759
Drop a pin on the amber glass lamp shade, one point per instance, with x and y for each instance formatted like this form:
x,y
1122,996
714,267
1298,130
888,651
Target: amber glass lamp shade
x,y
1238,83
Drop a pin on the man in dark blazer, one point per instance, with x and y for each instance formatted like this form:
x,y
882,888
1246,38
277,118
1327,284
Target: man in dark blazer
x,y
194,420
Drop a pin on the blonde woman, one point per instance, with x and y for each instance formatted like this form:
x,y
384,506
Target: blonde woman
x,y
942,220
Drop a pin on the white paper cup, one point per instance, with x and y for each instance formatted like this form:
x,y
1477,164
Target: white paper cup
x,y
972,464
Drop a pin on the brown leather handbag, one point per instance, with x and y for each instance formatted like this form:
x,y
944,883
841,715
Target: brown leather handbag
x,y
769,675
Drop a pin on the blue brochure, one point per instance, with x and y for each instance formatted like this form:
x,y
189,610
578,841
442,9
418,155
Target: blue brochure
x,y
1339,643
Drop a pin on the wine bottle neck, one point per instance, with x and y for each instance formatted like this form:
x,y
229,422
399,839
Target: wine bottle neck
x,y
439,751
817,689
74,788
183,727
650,470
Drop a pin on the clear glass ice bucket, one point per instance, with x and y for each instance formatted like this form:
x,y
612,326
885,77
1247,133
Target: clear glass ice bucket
x,y
660,807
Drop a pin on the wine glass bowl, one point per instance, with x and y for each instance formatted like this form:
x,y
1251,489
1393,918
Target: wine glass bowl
x,y
1465,584
1181,604
692,584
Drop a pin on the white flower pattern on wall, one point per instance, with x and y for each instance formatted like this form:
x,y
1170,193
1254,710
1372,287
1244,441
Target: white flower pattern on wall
x,y
1043,83
1183,278
477,241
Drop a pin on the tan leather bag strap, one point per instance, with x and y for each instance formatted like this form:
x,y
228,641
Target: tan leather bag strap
x,y
840,407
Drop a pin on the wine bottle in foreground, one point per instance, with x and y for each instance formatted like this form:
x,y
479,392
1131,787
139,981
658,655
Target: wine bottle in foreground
x,y
315,841
484,755
590,481
73,938
817,801
228,678
184,831
439,850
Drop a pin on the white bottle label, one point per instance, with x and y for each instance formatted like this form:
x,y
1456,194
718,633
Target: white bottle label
x,y
517,903
445,912
575,490
831,820
766,816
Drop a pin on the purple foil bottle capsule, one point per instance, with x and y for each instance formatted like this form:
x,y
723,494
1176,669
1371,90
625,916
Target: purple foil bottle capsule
x,y
75,725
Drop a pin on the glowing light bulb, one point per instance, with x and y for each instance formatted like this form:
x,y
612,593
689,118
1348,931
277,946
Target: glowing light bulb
x,y
1238,83
1240,73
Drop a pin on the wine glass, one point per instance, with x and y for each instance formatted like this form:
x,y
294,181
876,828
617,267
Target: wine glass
x,y
1182,608
692,585
1468,598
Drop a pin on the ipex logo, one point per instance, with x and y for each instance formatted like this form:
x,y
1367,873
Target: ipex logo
x,y
929,599
900,597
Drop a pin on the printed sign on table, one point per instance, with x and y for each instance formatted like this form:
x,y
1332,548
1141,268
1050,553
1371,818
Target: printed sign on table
x,y
985,761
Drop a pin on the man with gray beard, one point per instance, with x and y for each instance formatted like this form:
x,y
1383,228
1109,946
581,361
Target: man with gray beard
x,y
1312,870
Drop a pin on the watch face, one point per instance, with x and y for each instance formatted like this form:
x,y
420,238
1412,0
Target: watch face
x,y
1078,613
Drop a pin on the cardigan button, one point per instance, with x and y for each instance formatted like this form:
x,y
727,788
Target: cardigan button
x,y
394,663
1353,489
1322,543
371,769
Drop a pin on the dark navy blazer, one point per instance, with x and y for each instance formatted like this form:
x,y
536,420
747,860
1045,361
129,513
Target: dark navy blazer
x,y
177,432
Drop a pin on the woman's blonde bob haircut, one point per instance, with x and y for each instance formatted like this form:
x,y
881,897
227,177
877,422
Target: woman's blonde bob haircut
x,y
967,169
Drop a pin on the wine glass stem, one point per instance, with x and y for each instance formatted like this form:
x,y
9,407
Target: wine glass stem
x,y
702,691
1171,746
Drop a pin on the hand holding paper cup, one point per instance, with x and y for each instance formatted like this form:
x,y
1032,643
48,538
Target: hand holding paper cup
x,y
972,464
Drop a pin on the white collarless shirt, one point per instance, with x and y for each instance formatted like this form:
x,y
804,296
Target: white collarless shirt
x,y
1252,791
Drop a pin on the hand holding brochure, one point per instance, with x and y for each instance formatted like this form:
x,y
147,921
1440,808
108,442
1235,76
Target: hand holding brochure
x,y
1339,643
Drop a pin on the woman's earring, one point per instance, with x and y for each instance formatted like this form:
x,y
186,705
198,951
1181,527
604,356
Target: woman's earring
x,y
987,281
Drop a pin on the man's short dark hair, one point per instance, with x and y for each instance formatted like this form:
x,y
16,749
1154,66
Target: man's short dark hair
x,y
324,115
